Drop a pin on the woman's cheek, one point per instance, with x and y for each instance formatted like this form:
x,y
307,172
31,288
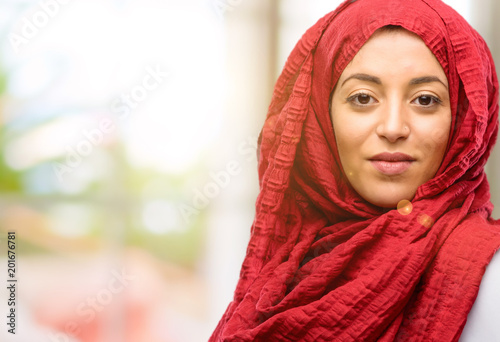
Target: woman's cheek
x,y
434,138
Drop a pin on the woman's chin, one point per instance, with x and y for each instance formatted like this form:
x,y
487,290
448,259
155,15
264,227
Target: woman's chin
x,y
388,198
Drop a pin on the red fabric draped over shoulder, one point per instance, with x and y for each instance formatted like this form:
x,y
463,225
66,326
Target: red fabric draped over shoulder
x,y
322,264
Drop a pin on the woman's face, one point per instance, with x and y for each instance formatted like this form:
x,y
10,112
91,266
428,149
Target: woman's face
x,y
391,116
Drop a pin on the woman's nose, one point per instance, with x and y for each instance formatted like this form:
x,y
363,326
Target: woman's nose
x,y
392,124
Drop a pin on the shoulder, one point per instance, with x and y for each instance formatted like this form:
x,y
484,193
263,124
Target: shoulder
x,y
482,321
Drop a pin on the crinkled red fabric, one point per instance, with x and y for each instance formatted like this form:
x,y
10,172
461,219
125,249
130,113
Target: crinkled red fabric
x,y
322,264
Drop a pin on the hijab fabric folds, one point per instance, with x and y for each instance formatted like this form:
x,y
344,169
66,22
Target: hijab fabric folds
x,y
322,264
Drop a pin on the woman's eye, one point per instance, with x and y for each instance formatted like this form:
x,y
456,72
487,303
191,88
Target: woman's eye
x,y
426,100
361,99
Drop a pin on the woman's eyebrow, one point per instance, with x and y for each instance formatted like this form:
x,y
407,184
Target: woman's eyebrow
x,y
427,79
363,77
376,80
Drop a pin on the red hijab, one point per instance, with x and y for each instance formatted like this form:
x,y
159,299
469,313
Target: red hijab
x,y
325,265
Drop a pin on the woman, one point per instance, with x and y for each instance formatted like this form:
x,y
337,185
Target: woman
x,y
373,219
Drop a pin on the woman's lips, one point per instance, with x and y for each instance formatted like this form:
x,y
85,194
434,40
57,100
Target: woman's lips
x,y
391,168
391,163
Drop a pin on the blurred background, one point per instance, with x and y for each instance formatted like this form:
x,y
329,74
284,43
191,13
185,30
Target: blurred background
x,y
128,170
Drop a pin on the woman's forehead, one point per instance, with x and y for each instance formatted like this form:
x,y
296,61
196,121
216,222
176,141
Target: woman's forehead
x,y
361,20
393,51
